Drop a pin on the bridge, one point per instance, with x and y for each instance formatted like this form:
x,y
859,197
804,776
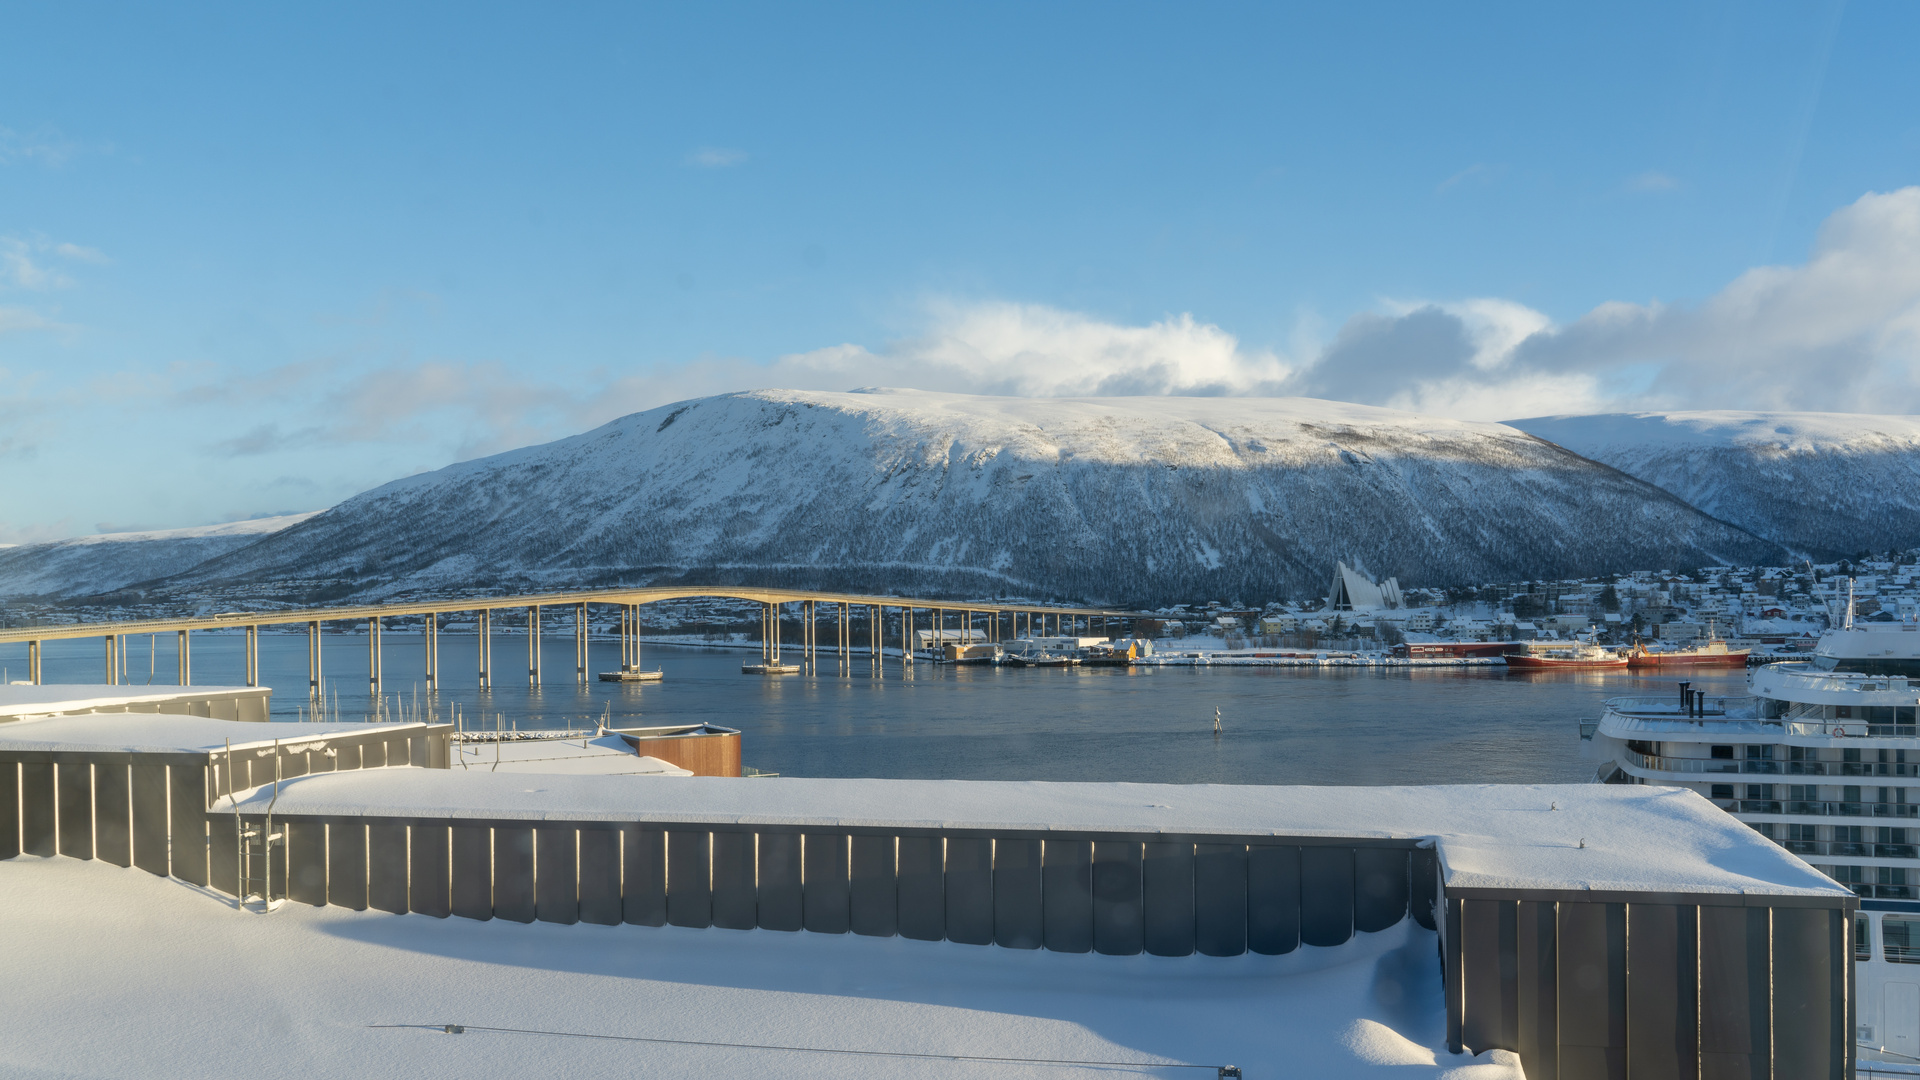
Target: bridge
x,y
839,608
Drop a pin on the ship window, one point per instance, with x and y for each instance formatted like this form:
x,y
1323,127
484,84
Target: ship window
x,y
1849,755
1843,712
1879,714
1903,714
1759,791
1722,791
1723,752
1846,834
1901,937
1803,793
1802,832
1760,753
1850,793
1796,753
1862,938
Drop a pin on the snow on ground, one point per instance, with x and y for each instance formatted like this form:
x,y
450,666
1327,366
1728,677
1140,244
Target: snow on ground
x,y
116,973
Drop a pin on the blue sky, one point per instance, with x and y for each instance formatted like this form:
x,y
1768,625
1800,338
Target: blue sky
x,y
254,260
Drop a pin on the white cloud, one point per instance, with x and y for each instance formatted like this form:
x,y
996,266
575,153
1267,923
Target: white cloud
x,y
716,157
43,149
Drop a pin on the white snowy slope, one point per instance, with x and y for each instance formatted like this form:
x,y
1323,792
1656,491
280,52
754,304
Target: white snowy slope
x,y
1140,500
116,973
89,565
1820,483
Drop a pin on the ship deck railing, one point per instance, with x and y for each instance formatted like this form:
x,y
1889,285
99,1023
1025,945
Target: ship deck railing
x,y
1840,849
1799,808
1770,767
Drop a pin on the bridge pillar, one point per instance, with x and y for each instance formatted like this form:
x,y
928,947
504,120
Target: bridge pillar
x,y
251,659
430,645
313,660
185,658
486,649
533,646
580,644
374,680
33,662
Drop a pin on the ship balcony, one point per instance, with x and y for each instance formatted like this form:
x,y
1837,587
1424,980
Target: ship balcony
x,y
1765,767
1839,849
1800,808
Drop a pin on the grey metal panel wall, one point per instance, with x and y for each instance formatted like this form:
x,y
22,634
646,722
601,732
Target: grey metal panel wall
x,y
387,868
222,852
347,864
1489,975
148,794
430,885
1592,991
1662,1003
1116,898
513,897
1067,895
1220,899
38,835
923,891
187,808
1017,913
779,887
1326,895
1736,1037
825,900
112,814
307,862
1425,884
9,809
1380,887
1809,1019
689,880
970,890
556,874
1538,965
1273,899
600,876
643,900
872,892
73,788
735,905
1166,898
471,852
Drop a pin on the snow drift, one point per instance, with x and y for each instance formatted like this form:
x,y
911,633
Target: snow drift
x,y
1138,501
1826,484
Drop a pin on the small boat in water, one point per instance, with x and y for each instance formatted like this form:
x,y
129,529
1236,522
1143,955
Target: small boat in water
x,y
769,667
629,673
1575,656
1041,660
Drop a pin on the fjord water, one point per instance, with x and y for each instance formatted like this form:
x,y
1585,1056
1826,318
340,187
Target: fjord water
x,y
1155,724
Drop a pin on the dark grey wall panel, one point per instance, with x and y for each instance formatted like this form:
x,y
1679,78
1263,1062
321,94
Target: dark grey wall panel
x,y
1808,993
112,815
387,868
472,871
780,899
223,853
600,876
643,893
923,891
1017,917
1380,887
1116,898
187,808
1273,899
1735,1030
1662,1008
735,904
1539,1035
38,836
1489,951
556,873
347,864
9,809
825,899
1326,895
1166,898
148,792
1592,991
689,879
1067,895
513,895
1425,871
872,898
970,890
73,788
307,862
430,885
1220,899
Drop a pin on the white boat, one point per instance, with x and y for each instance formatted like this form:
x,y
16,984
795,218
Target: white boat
x,y
630,673
769,667
1823,757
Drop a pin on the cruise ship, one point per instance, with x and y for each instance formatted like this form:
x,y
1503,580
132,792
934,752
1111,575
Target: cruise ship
x,y
1822,756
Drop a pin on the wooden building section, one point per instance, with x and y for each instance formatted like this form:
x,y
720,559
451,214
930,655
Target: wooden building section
x,y
701,749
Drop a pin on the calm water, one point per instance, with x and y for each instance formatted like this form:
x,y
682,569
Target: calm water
x,y
1282,725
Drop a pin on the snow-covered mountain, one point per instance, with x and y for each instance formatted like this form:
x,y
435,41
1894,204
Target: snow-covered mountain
x,y
1827,484
90,565
1138,500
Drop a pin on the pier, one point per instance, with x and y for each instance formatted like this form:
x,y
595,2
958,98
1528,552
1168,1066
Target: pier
x,y
839,610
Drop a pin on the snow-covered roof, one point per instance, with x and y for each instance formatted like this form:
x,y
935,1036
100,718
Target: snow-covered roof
x,y
603,755
162,733
1496,836
20,700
